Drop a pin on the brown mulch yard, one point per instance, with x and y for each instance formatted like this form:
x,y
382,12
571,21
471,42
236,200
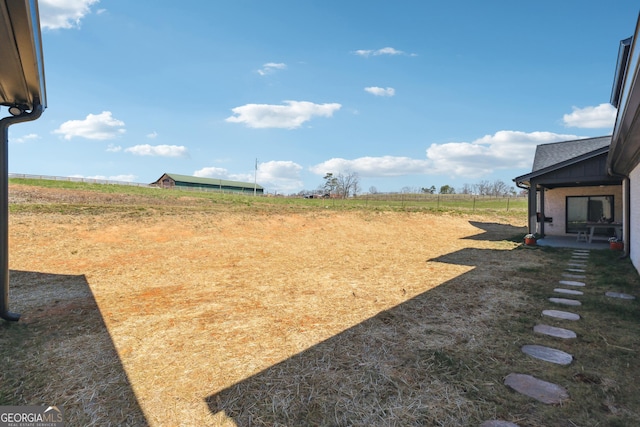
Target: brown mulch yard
x,y
178,315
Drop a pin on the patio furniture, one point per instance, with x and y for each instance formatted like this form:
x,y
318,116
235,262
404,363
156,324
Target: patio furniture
x,y
582,236
593,226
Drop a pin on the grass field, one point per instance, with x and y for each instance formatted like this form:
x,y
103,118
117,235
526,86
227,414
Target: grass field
x,y
151,307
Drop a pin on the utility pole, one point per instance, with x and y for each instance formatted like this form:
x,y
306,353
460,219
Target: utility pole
x,y
255,179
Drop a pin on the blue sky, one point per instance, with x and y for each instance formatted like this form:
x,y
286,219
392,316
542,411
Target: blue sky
x,y
407,94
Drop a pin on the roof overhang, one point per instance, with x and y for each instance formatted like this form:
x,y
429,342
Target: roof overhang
x,y
540,177
624,154
22,82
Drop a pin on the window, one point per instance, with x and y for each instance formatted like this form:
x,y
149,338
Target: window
x,y
584,209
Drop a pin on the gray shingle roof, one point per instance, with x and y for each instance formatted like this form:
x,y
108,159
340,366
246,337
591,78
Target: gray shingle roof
x,y
558,152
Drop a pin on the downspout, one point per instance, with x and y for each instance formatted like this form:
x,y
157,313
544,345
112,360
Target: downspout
x,y
4,205
626,225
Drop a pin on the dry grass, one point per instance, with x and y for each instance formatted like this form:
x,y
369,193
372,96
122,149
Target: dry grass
x,y
178,314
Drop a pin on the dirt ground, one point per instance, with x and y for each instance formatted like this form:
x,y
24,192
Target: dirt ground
x,y
173,318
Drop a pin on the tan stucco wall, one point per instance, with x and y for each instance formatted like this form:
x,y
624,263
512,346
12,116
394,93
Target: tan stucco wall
x,y
555,200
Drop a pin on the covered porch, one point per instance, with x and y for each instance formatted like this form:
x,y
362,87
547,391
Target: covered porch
x,y
570,191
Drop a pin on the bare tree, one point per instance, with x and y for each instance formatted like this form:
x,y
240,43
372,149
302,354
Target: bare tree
x,y
347,184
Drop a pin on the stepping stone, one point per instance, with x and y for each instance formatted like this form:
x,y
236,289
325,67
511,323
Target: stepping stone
x,y
568,291
498,423
539,390
548,354
571,283
619,295
564,315
573,276
554,332
565,301
577,264
576,270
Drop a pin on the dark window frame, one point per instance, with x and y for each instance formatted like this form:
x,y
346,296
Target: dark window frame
x,y
581,225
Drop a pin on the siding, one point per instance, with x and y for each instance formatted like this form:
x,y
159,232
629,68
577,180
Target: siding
x,y
555,201
634,223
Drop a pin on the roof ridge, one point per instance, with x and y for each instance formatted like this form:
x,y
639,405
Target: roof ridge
x,y
576,140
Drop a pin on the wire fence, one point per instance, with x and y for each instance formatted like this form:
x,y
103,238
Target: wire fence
x,y
77,179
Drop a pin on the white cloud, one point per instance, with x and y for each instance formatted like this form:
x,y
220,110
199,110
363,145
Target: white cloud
x,y
289,116
96,126
503,150
384,166
152,135
280,176
377,52
602,116
114,148
158,150
56,14
275,176
212,172
380,91
26,138
271,67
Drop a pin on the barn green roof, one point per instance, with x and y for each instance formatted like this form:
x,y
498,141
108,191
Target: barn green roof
x,y
215,182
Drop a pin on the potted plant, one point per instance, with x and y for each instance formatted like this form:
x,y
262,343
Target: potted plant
x,y
616,244
530,239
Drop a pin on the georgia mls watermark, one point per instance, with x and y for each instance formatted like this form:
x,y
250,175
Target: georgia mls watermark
x,y
31,416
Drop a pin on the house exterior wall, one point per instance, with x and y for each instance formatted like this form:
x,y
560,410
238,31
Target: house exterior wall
x,y
634,224
555,204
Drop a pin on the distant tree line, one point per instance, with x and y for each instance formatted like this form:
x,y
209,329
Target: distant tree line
x,y
348,185
497,188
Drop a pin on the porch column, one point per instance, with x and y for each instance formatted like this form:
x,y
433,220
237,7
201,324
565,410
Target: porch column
x,y
541,212
533,207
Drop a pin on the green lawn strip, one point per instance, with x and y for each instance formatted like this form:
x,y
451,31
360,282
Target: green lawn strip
x,y
603,380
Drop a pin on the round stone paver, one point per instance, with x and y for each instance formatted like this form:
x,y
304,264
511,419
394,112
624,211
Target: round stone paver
x,y
576,264
548,354
554,332
573,276
498,423
568,291
619,295
565,301
542,391
564,315
577,270
571,283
